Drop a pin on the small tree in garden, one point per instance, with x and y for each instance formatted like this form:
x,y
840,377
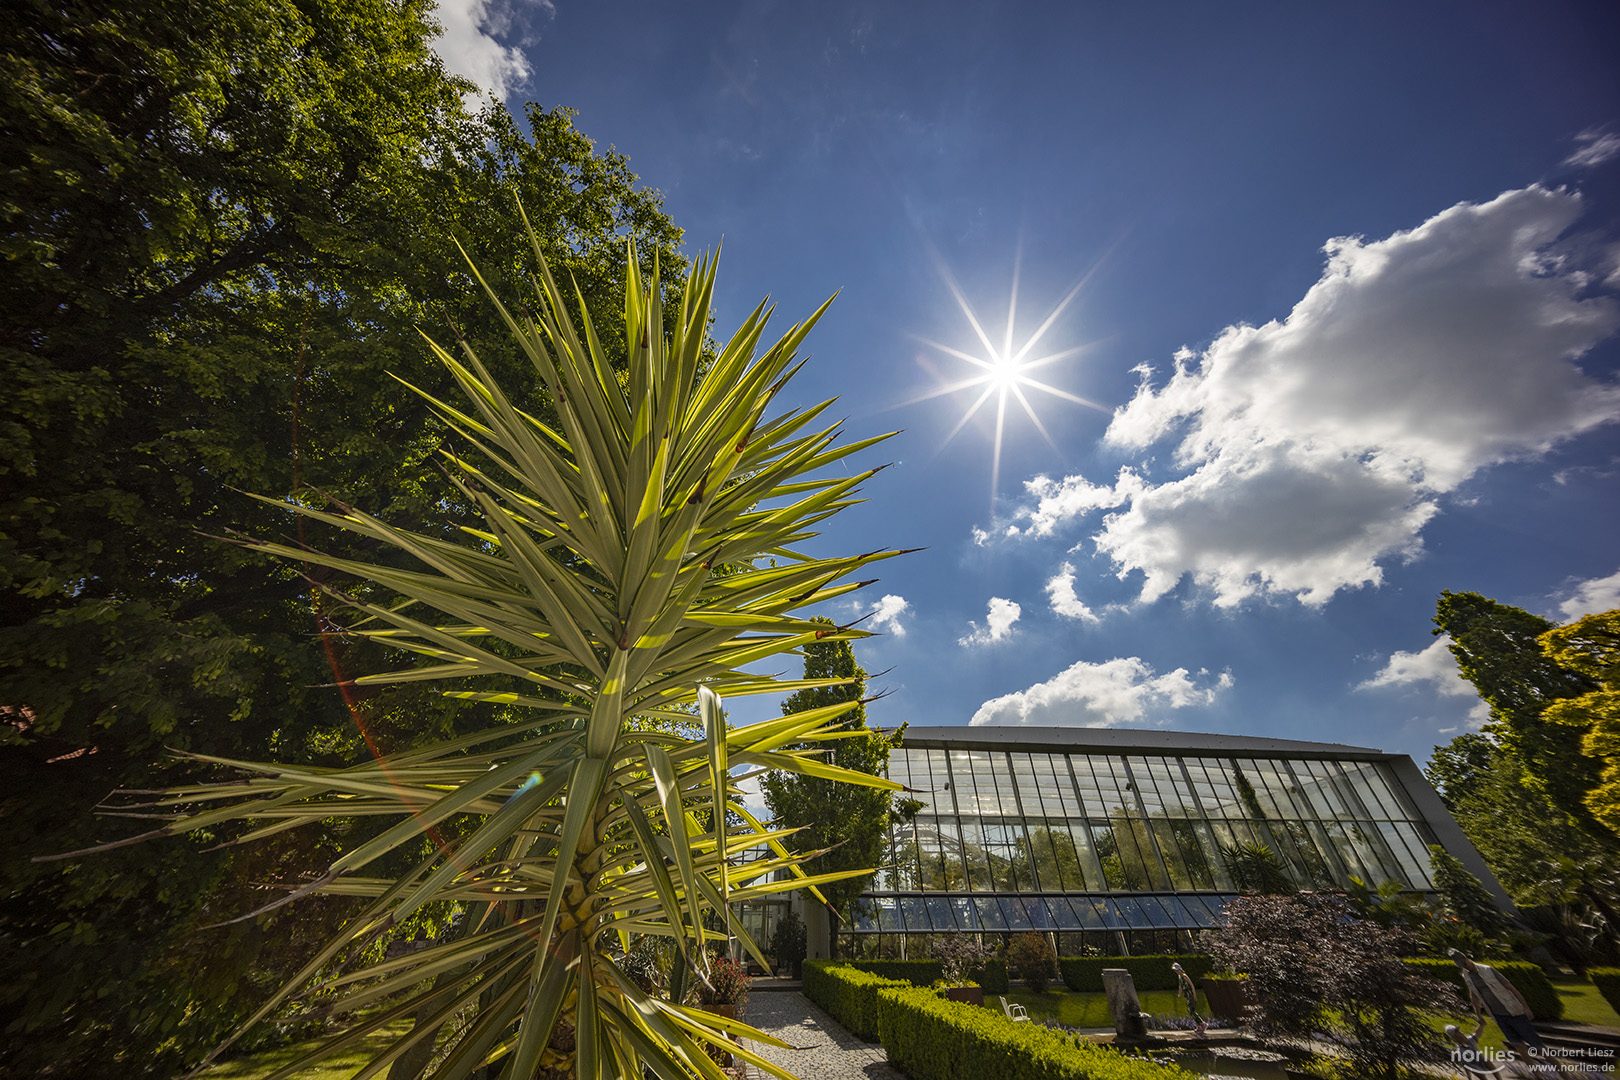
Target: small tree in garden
x,y
960,957
788,942
1315,969
1033,959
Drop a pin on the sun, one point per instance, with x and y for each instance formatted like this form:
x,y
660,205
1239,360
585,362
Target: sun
x,y
1000,371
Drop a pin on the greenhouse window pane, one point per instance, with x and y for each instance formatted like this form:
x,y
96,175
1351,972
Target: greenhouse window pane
x,y
990,917
967,913
888,914
940,913
915,914
864,922
1017,917
1063,913
1130,913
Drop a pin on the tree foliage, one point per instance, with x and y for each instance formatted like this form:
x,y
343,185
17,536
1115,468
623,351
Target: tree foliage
x,y
222,223
1031,957
1527,791
1463,895
847,825
1314,968
1590,647
1498,649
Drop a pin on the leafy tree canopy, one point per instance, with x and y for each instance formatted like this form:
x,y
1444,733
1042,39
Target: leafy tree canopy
x,y
1591,647
222,223
1498,649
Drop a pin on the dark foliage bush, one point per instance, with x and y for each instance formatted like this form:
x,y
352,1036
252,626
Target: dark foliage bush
x,y
1033,959
1317,971
1606,979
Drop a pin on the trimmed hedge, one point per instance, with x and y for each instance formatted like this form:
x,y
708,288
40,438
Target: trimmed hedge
x,y
929,1038
1607,980
1083,974
1529,979
992,974
848,994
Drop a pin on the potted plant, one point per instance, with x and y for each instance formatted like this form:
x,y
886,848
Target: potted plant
x,y
727,988
788,945
960,957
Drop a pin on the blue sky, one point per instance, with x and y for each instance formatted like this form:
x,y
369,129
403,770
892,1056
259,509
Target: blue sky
x,y
1347,324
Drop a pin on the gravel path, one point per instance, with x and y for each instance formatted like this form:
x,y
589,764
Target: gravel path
x,y
828,1051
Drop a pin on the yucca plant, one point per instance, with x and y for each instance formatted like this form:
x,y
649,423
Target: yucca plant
x,y
631,562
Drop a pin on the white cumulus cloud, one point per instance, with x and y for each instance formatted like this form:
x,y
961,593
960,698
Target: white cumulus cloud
x,y
1315,449
888,612
1120,691
469,42
1058,501
1592,597
998,623
1060,588
1434,668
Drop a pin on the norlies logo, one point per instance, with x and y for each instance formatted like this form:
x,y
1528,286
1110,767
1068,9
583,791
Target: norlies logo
x,y
1483,1061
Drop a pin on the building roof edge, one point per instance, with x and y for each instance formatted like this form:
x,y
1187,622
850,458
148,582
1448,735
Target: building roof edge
x,y
1127,740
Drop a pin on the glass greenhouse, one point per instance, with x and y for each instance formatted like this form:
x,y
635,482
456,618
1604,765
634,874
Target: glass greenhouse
x,y
1127,841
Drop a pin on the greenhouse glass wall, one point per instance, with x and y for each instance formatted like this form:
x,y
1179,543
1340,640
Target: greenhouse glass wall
x,y
1126,841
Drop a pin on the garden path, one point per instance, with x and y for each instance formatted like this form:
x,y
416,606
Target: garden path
x,y
828,1051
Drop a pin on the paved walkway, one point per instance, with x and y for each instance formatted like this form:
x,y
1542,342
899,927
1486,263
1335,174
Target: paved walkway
x,y
828,1051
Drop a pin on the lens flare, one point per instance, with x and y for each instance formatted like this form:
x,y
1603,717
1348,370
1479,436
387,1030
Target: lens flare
x,y
1002,370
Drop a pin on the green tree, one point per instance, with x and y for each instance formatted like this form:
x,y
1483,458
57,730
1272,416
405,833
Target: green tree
x,y
1590,647
223,221
1461,768
1464,895
1498,649
848,825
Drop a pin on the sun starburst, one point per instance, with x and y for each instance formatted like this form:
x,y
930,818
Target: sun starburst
x,y
1002,371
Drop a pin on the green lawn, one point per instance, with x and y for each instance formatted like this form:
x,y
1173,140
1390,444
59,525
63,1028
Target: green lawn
x,y
1091,1010
1584,1004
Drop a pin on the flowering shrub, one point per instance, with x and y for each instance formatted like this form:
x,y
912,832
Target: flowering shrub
x,y
728,982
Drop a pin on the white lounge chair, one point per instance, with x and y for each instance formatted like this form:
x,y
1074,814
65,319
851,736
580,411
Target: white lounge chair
x,y
1014,1012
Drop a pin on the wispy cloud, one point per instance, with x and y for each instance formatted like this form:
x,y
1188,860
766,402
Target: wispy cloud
x,y
1060,588
1594,148
1433,668
1120,691
1592,597
998,623
1316,448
